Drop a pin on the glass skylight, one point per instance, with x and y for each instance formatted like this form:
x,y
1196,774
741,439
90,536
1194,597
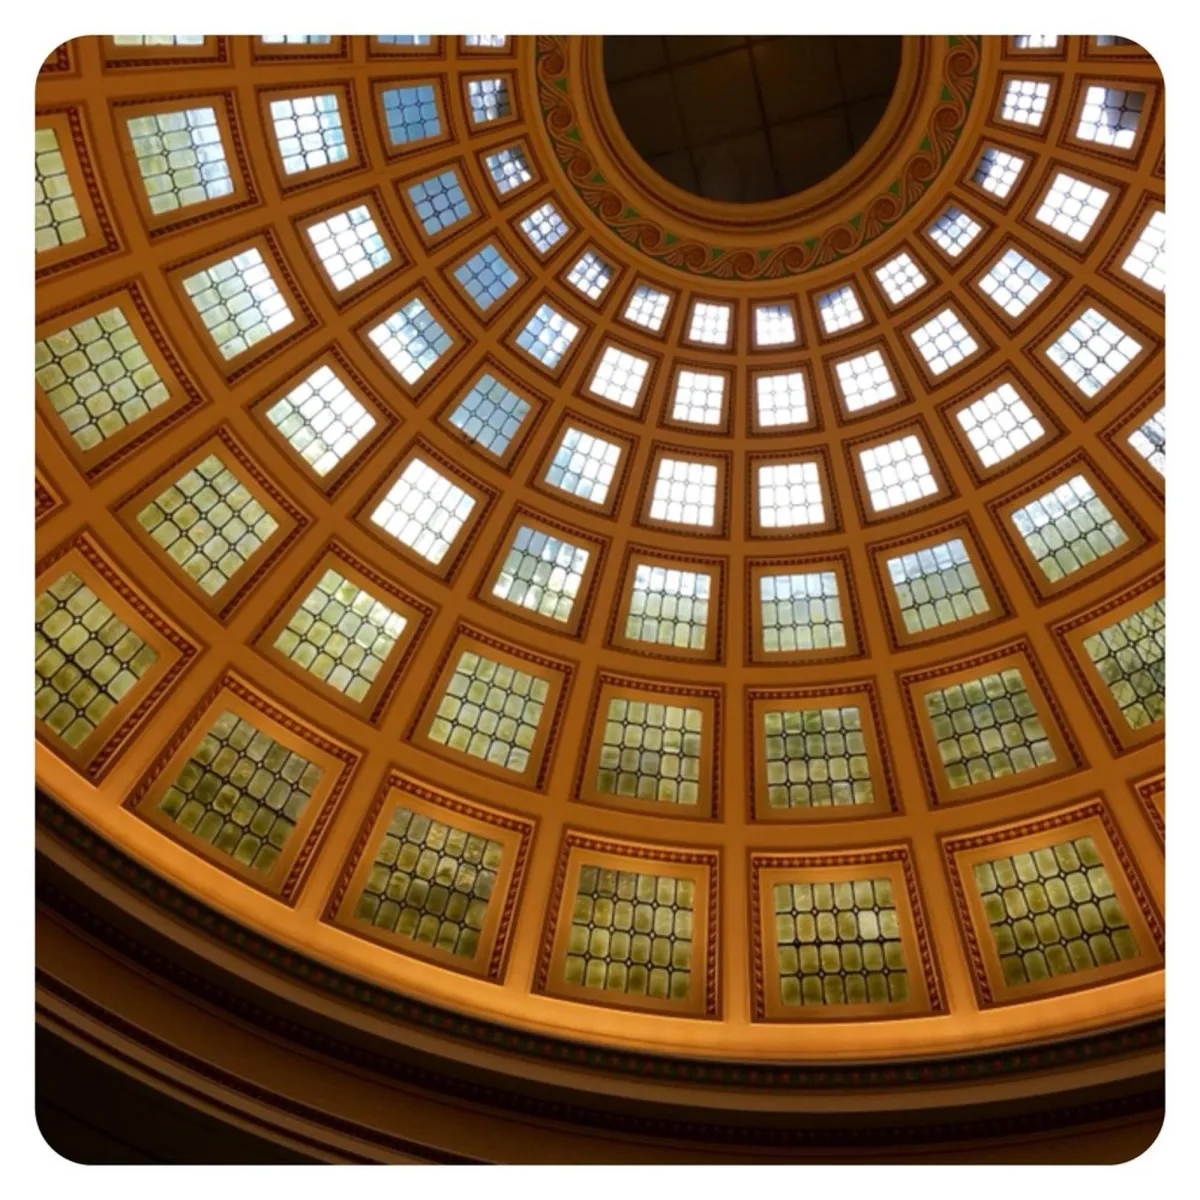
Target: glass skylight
x,y
999,425
180,157
865,381
547,336
321,419
411,340
685,492
944,342
897,473
619,376
1093,352
710,323
840,309
584,465
349,246
308,131
424,510
1071,206
239,302
789,494
699,398
782,400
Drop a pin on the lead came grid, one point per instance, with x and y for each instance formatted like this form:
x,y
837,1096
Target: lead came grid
x,y
839,943
897,473
936,585
685,493
431,882
651,751
1068,528
490,414
544,227
542,573
209,523
322,420
491,711
647,307
631,933
239,302
954,231
840,309
774,325
508,168
1147,260
590,276
1093,352
999,425
341,634
865,381
1053,911
242,791
349,246
944,342
424,510
1072,206
439,202
668,607
584,465
987,729
782,399
789,494
547,336
1025,102
801,612
411,114
308,130
710,323
97,377
1131,658
699,398
816,758
900,278
180,157
619,376
1110,116
55,210
486,277
1150,440
1014,283
488,100
1035,41
411,339
998,171
86,659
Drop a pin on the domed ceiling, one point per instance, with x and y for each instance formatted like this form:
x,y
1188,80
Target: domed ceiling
x,y
508,581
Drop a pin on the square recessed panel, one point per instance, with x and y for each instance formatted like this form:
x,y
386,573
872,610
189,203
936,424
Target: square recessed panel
x,y
685,491
494,708
1118,649
668,606
214,522
1050,905
633,927
817,754
247,786
651,748
346,631
103,657
987,725
238,301
841,936
435,876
